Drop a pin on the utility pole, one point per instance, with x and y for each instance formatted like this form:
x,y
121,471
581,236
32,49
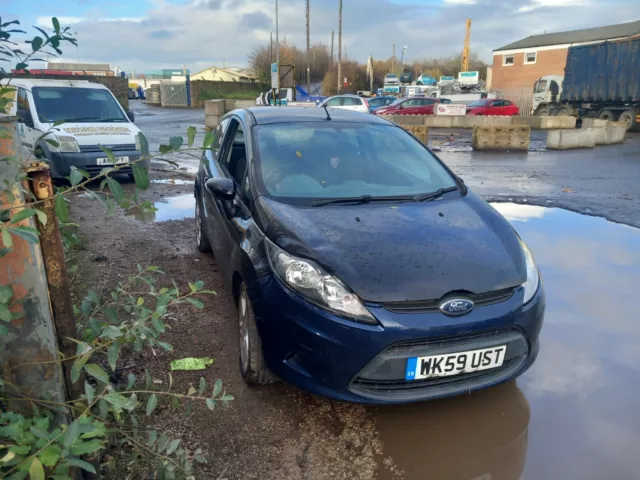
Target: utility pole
x,y
465,51
340,46
270,47
276,94
308,69
331,58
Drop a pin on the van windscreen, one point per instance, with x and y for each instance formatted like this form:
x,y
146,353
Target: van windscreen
x,y
80,105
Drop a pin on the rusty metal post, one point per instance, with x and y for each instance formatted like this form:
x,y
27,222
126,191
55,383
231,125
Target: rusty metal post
x,y
29,351
57,278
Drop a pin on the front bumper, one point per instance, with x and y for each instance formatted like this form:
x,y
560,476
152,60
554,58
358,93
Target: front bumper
x,y
61,163
337,358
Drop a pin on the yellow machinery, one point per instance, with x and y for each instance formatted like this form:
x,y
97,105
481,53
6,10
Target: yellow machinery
x,y
465,50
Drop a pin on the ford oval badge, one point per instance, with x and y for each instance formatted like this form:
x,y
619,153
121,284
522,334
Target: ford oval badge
x,y
456,307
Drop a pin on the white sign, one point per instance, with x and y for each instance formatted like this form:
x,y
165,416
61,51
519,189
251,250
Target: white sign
x,y
301,104
450,109
468,78
275,76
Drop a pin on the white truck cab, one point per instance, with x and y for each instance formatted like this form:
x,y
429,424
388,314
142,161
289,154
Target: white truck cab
x,y
546,90
78,116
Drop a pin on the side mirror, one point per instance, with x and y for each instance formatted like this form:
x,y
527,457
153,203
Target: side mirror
x,y
131,116
223,188
25,117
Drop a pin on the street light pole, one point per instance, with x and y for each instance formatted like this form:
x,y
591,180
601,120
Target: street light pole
x,y
308,69
340,46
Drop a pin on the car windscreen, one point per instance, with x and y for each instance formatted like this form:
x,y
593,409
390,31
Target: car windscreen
x,y
71,104
478,103
320,160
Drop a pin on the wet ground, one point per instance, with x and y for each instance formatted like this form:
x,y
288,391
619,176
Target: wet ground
x,y
572,415
602,181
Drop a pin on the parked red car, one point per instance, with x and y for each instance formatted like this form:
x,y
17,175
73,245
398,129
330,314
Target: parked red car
x,y
411,106
493,106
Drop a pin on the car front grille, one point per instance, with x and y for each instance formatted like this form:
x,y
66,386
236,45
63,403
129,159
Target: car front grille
x,y
114,148
429,306
375,380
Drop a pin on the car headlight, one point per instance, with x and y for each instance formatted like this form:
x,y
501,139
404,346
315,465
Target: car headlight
x,y
318,286
533,276
68,144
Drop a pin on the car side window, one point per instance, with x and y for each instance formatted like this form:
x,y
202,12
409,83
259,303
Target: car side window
x,y
496,103
218,135
350,101
334,102
235,152
506,103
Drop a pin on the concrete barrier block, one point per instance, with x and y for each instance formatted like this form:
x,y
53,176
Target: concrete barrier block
x,y
214,107
233,104
501,137
491,120
594,123
545,123
434,121
408,119
567,139
615,132
533,122
466,122
211,121
421,132
563,121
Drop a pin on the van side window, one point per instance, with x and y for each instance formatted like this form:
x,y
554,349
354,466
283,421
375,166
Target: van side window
x,y
23,100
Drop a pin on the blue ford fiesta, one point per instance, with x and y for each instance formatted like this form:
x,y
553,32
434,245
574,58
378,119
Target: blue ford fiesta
x,y
363,269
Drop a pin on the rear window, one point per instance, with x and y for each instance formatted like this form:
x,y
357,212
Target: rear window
x,y
337,159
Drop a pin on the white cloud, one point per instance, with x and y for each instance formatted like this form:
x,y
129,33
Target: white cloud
x,y
201,33
536,4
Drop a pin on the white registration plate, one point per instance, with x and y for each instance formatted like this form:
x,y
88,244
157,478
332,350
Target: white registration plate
x,y
455,363
119,161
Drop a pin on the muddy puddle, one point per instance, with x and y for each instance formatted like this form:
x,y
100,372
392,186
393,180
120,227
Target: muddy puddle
x,y
574,413
172,181
168,208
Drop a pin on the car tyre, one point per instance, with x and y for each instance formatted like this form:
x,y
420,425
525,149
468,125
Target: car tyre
x,y
253,368
201,239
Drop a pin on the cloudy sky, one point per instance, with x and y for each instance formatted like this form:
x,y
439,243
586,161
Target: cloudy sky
x,y
145,34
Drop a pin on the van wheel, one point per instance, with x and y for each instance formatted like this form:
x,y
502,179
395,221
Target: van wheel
x,y
563,112
606,115
253,368
627,117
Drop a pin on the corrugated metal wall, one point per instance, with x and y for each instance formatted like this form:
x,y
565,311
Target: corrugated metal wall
x,y
604,72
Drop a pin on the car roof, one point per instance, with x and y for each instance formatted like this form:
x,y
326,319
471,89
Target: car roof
x,y
269,115
45,82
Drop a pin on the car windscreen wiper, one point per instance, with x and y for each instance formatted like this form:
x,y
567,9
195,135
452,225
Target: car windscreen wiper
x,y
363,199
434,195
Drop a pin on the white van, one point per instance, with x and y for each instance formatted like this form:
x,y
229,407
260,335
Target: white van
x,y
91,116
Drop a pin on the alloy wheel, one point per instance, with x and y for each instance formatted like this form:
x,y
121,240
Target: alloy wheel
x,y
244,331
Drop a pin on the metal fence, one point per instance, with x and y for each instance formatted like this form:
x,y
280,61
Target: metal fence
x,y
173,94
523,97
